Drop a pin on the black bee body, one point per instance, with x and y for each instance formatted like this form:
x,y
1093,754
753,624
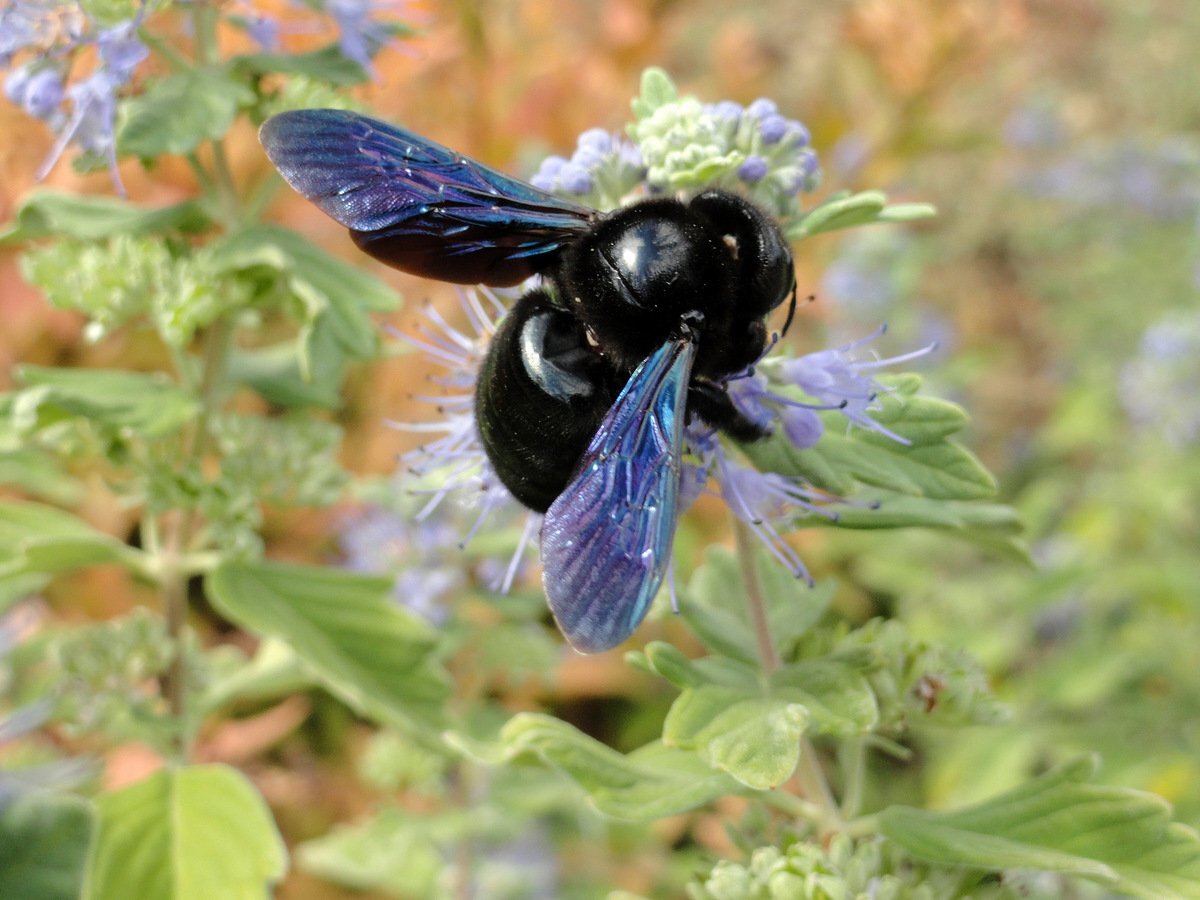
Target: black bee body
x,y
620,290
583,396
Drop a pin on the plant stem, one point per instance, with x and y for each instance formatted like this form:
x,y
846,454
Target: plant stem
x,y
756,604
812,779
174,586
853,761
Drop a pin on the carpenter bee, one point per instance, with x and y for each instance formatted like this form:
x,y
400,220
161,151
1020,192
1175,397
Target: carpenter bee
x,y
582,398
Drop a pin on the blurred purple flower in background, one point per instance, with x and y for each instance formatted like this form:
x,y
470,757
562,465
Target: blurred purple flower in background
x,y
1158,386
52,34
424,555
21,723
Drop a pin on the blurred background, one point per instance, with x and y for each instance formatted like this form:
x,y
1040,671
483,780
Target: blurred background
x,y
1060,142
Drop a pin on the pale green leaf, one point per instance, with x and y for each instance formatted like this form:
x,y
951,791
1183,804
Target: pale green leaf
x,y
837,695
38,540
1060,822
274,671
752,736
47,213
390,852
178,112
650,783
150,405
361,644
193,833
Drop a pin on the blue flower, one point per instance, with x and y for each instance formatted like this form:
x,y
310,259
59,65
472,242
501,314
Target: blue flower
x,y
360,34
36,89
1158,386
54,34
601,172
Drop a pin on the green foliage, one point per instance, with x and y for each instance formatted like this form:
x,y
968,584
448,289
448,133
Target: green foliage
x,y
805,871
1059,822
44,843
178,113
337,621
187,833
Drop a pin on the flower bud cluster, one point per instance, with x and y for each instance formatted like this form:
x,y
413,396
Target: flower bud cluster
x,y
602,170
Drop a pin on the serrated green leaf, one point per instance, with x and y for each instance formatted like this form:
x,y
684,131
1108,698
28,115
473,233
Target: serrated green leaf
x,y
191,833
1059,822
149,404
50,213
837,696
650,783
362,645
943,470
179,112
334,294
44,844
390,852
328,64
753,736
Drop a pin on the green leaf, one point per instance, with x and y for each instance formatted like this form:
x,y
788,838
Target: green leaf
x,y
336,296
274,671
753,736
929,465
44,842
1119,837
361,644
38,540
39,475
193,833
991,526
907,212
150,405
650,783
390,852
179,112
275,373
715,606
329,64
669,662
844,210
50,213
837,695
657,90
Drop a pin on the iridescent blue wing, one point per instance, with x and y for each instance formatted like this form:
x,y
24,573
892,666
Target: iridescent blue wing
x,y
606,540
417,205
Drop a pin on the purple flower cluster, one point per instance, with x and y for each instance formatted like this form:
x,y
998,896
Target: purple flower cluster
x,y
834,379
603,168
690,145
50,35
